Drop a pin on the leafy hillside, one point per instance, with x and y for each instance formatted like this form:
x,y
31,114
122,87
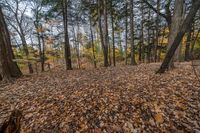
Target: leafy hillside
x,y
115,99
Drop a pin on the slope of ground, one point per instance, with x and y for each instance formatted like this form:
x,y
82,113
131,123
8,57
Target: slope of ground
x,y
122,99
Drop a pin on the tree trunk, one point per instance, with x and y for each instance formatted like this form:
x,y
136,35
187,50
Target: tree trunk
x,y
106,39
78,40
148,40
67,45
126,35
157,32
113,36
36,24
193,43
109,54
187,46
43,52
181,32
25,49
162,40
177,20
24,43
92,39
153,47
100,29
133,62
8,68
141,46
103,36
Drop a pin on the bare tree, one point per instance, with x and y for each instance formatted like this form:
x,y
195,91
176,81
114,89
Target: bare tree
x,y
19,21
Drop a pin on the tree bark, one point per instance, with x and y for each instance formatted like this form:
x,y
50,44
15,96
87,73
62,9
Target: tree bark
x,y
148,40
36,24
106,39
25,49
126,35
141,44
162,40
157,32
103,36
78,40
187,46
67,50
113,35
133,62
92,39
43,51
177,20
193,43
181,32
8,68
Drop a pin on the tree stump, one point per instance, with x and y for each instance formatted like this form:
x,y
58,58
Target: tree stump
x,y
13,125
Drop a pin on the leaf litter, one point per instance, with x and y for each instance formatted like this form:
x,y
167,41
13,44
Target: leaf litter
x,y
129,99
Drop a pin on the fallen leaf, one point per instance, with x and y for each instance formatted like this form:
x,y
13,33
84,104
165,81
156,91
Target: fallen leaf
x,y
159,118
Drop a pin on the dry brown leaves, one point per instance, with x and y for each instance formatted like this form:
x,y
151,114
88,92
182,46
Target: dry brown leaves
x,y
122,99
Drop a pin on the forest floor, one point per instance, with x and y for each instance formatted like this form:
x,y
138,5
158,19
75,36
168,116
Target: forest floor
x,y
115,99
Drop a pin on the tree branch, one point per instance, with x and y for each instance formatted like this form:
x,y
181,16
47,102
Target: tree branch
x,y
155,10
